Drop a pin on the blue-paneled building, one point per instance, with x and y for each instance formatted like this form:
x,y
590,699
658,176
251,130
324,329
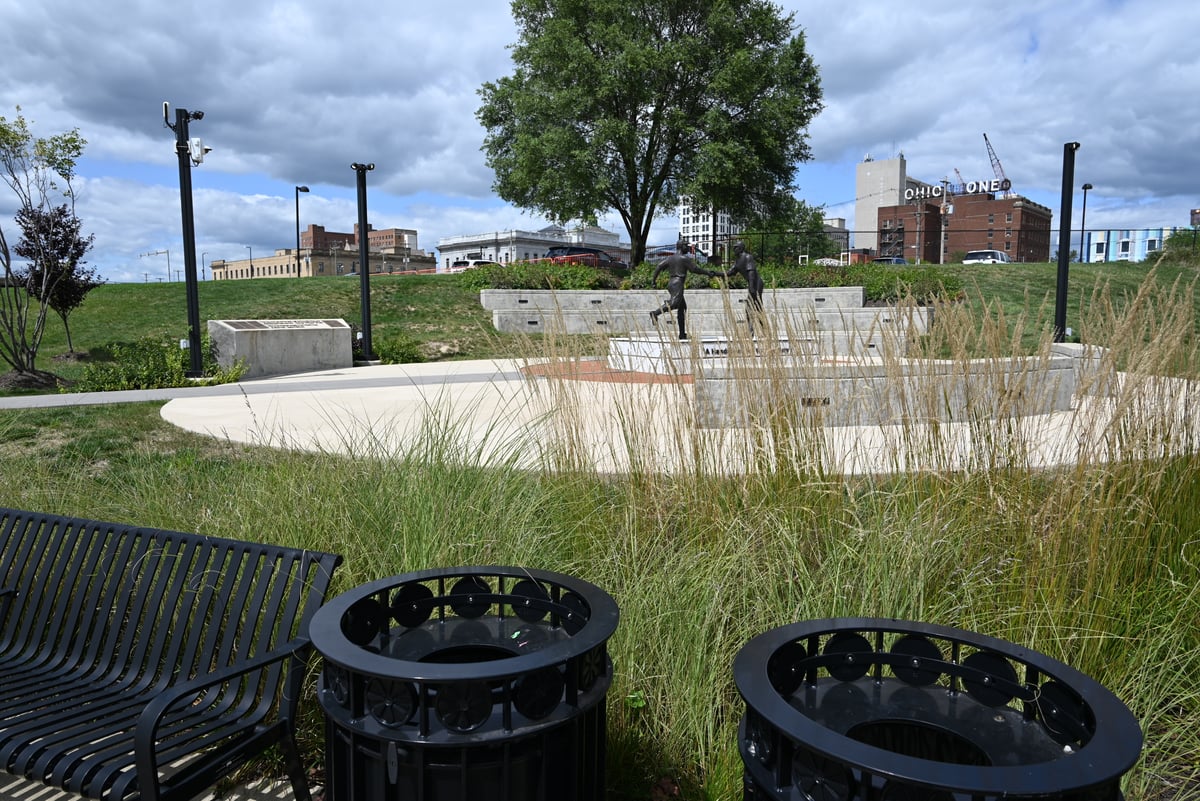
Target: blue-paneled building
x,y
1124,244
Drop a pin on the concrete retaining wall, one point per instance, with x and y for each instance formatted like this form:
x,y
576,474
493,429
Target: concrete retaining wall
x,y
628,311
280,347
873,393
668,356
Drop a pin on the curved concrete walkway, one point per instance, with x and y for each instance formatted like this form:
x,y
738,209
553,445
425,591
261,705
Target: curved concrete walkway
x,y
501,410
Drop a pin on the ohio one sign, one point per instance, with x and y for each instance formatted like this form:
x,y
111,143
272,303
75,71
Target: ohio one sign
x,y
970,188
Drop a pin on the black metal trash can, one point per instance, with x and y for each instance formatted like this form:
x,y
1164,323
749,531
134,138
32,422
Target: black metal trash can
x,y
860,709
469,683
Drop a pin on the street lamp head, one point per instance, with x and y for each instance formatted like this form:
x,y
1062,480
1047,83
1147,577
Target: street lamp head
x,y
301,188
357,166
1086,187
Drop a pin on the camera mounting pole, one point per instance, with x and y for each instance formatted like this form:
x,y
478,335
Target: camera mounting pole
x,y
183,150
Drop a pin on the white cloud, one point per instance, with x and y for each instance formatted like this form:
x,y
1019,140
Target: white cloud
x,y
294,92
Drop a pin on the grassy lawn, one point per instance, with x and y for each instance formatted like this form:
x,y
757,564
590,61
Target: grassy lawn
x,y
433,309
438,311
1096,564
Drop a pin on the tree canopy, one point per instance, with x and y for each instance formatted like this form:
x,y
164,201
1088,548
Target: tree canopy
x,y
57,274
792,228
629,107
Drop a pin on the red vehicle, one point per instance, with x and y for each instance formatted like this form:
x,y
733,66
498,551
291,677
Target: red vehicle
x,y
593,257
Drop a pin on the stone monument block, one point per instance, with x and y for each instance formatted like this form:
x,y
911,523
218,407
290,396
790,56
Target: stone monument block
x,y
280,347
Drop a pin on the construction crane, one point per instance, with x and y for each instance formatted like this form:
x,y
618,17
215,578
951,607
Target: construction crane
x,y
952,188
998,168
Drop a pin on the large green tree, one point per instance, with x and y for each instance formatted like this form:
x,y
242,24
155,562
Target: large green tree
x,y
627,106
40,172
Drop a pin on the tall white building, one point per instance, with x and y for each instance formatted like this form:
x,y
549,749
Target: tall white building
x,y
696,227
878,184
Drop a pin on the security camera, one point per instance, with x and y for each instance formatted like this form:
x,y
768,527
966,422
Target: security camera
x,y
197,150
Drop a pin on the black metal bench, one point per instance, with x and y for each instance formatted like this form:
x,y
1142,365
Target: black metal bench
x,y
140,663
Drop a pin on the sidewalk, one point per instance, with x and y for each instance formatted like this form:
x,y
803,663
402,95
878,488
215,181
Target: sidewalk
x,y
494,412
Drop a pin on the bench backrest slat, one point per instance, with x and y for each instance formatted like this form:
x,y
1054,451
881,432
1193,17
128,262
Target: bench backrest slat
x,y
141,605
96,569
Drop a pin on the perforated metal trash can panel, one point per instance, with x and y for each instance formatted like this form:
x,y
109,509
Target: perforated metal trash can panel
x,y
466,683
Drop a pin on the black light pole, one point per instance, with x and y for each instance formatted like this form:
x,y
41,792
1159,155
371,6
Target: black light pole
x,y
299,189
364,266
251,249
183,149
1064,236
1083,224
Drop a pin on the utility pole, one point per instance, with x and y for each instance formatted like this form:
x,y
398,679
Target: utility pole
x,y
1064,241
166,253
188,152
364,266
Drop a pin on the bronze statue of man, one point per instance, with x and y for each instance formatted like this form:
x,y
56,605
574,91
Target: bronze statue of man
x,y
677,266
744,265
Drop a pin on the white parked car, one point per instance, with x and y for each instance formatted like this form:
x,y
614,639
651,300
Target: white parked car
x,y
467,264
986,257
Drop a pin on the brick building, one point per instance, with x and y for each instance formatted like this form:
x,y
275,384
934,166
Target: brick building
x,y
390,240
933,232
912,231
329,253
1015,225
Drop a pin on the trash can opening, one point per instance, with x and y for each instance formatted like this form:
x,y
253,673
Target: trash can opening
x,y
863,708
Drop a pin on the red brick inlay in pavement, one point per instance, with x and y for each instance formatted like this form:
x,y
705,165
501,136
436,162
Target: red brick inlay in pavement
x,y
598,370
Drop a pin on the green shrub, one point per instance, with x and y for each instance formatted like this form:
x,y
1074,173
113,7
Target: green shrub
x,y
398,348
792,276
153,363
538,275
640,278
886,283
882,283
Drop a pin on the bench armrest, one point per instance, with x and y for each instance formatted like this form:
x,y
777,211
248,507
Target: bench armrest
x,y
146,732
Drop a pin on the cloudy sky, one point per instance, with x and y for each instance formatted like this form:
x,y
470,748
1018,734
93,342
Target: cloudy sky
x,y
294,92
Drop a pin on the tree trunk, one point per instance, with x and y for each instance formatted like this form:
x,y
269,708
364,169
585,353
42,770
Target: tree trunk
x,y
67,328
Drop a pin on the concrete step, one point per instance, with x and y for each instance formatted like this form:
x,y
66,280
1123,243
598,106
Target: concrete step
x,y
703,322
